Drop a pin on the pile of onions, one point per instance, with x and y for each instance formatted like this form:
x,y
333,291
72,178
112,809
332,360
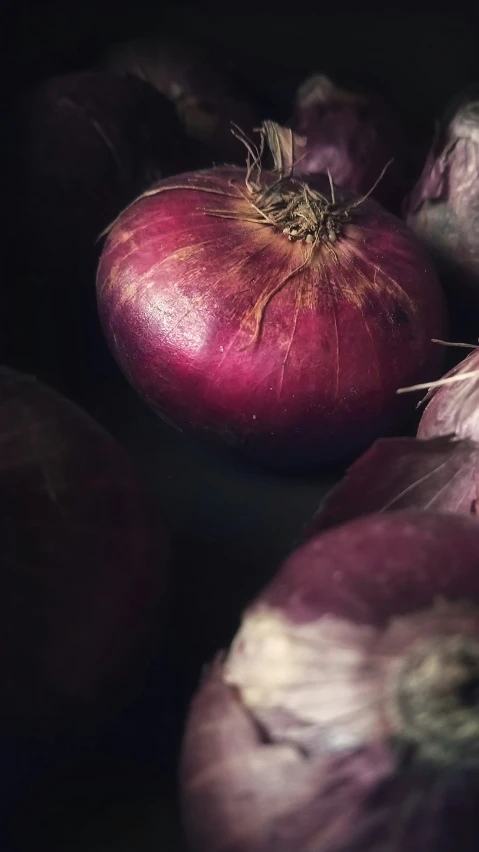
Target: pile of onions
x,y
344,717
206,97
443,208
83,563
354,136
275,315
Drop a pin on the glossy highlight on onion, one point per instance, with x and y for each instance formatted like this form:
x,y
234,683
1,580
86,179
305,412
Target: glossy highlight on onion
x,y
276,316
83,563
344,718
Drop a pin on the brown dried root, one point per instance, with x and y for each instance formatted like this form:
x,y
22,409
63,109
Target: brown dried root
x,y
290,205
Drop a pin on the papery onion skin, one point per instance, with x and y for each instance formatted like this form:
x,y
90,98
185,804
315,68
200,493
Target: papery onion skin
x,y
354,136
453,409
206,98
439,474
443,208
306,736
312,376
83,564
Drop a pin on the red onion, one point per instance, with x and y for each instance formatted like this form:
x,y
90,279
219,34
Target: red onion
x,y
405,473
443,208
248,307
86,144
83,562
344,717
82,147
453,404
207,99
354,136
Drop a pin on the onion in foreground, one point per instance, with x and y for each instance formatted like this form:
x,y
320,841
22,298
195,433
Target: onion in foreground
x,y
443,208
353,136
275,315
83,562
345,716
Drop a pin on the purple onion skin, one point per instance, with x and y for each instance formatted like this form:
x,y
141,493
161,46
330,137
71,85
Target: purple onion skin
x,y
453,409
206,97
84,563
353,136
439,474
177,293
443,208
298,740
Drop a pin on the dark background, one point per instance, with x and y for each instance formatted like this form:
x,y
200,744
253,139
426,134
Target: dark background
x,y
413,53
230,525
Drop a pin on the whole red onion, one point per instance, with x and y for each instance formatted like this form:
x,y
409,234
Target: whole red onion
x,y
206,97
345,716
354,136
251,309
453,405
443,208
83,562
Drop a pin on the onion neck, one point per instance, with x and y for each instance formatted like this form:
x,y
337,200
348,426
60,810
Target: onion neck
x,y
301,212
437,699
412,683
292,206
